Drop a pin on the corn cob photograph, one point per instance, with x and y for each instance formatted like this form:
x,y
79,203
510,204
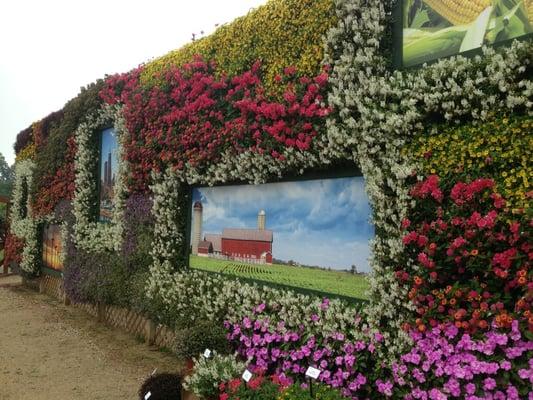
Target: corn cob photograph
x,y
434,29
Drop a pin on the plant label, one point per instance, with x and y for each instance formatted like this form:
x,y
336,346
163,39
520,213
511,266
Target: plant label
x,y
246,376
312,372
207,353
147,395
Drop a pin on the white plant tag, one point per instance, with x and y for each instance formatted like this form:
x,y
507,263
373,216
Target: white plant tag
x,y
147,395
247,375
207,353
312,372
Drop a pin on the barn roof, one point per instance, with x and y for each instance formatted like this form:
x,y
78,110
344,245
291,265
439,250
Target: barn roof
x,y
257,235
204,244
216,240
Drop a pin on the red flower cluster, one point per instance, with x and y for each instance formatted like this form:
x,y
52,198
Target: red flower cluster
x,y
13,249
195,116
471,264
428,187
59,185
259,385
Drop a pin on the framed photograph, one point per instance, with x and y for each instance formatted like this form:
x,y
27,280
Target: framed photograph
x,y
433,29
52,247
107,172
312,234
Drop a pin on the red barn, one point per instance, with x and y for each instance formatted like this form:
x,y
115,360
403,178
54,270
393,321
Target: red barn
x,y
248,244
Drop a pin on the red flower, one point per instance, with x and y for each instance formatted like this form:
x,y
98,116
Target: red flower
x,y
234,384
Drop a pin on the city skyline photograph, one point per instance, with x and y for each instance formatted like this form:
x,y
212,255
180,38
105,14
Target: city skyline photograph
x,y
108,172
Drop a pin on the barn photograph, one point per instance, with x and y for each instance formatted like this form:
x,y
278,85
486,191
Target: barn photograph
x,y
322,223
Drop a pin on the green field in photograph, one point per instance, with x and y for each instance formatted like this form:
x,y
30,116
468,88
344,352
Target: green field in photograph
x,y
435,29
334,282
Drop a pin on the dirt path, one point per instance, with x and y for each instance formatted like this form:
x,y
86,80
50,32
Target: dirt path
x,y
50,351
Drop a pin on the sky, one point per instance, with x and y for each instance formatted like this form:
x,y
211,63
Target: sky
x,y
50,49
321,222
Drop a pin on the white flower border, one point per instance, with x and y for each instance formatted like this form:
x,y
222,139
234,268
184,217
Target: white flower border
x,y
88,233
25,227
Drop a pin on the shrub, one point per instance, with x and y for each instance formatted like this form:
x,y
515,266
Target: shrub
x,y
302,392
161,387
209,372
190,342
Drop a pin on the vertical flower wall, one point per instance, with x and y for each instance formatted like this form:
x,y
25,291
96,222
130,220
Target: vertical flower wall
x,y
447,176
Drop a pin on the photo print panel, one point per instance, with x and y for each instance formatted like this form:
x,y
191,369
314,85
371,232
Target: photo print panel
x,y
108,174
434,29
52,247
308,234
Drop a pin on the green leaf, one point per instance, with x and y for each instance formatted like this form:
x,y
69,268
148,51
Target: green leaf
x,y
407,5
476,32
420,46
510,23
420,19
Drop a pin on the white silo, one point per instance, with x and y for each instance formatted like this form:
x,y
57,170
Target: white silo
x,y
197,226
261,220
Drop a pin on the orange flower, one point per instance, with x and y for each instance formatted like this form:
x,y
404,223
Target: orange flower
x,y
474,252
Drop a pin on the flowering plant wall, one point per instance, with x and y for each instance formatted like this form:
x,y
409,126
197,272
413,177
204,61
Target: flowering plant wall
x,y
281,33
219,129
220,119
497,148
376,112
472,262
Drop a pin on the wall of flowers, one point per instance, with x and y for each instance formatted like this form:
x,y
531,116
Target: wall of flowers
x,y
444,150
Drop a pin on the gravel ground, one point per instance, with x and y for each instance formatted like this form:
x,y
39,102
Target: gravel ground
x,y
51,351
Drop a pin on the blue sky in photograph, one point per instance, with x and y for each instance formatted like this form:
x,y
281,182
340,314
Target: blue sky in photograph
x,y
321,222
109,145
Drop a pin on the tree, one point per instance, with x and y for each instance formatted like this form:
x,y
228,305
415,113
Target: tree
x,y
353,270
6,176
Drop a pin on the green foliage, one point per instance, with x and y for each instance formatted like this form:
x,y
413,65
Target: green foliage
x,y
321,392
192,341
6,172
5,189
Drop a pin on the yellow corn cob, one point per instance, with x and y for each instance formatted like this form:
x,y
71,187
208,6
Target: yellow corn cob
x,y
529,9
458,12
